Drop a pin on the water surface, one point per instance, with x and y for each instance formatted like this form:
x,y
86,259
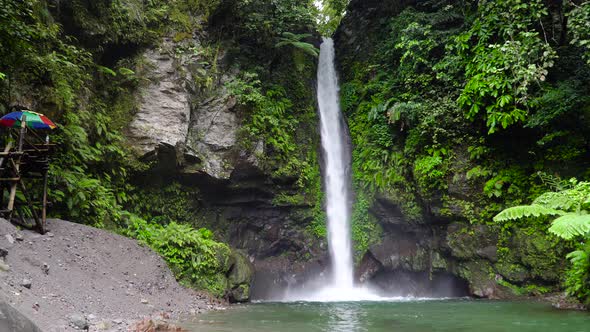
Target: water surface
x,y
412,316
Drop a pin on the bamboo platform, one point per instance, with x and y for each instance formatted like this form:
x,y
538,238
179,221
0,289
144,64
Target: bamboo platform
x,y
20,164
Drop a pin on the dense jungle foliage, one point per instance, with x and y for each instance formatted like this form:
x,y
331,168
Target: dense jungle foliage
x,y
79,62
458,110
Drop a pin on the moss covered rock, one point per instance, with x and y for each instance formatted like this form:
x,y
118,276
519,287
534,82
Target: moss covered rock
x,y
470,241
539,252
239,278
482,279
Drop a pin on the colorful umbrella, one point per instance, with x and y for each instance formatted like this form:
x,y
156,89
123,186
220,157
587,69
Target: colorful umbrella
x,y
33,120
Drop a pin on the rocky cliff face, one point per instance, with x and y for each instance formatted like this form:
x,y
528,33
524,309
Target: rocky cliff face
x,y
194,126
188,124
164,108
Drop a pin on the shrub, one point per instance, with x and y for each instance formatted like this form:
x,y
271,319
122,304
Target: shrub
x,y
193,255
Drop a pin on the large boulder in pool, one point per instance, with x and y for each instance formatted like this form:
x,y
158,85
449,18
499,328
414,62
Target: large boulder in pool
x,y
239,278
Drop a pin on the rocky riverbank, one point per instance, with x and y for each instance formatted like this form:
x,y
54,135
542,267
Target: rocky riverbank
x,y
81,278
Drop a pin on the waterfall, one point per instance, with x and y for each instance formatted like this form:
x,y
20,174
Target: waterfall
x,y
336,184
336,177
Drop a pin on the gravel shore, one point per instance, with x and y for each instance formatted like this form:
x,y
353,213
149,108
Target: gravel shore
x,y
78,277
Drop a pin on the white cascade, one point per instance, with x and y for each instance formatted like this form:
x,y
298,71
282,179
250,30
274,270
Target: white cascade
x,y
336,177
340,287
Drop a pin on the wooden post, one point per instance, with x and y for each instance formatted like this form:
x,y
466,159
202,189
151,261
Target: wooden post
x,y
44,211
6,150
31,206
2,159
23,130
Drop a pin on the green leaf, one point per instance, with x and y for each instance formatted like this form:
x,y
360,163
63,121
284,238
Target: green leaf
x,y
555,200
106,70
571,225
576,256
295,41
126,71
524,211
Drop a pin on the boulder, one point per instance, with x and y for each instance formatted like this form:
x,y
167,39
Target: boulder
x,y
368,267
239,278
3,253
400,251
13,321
513,272
540,253
482,281
472,241
79,322
26,283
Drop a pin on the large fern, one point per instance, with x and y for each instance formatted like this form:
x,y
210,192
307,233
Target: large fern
x,y
524,211
556,200
295,40
571,225
572,205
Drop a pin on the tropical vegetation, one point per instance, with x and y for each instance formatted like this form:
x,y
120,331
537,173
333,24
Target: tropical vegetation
x,y
459,111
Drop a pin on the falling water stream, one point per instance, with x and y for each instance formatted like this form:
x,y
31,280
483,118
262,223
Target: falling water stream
x,y
340,286
335,176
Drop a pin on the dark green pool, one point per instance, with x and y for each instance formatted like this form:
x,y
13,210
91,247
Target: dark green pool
x,y
412,316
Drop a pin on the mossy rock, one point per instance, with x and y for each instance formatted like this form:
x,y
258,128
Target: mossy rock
x,y
214,284
482,280
399,251
419,262
471,241
239,278
438,262
512,272
539,252
240,293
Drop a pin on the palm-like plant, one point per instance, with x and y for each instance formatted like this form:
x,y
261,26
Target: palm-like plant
x,y
295,40
570,206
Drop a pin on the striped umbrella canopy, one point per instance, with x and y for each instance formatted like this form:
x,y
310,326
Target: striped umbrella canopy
x,y
33,120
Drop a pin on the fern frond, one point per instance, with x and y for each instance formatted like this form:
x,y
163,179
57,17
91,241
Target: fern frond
x,y
307,48
295,37
126,71
524,211
283,42
294,40
577,256
556,200
571,225
290,36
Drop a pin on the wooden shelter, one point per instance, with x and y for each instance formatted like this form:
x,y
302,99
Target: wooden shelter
x,y
24,158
